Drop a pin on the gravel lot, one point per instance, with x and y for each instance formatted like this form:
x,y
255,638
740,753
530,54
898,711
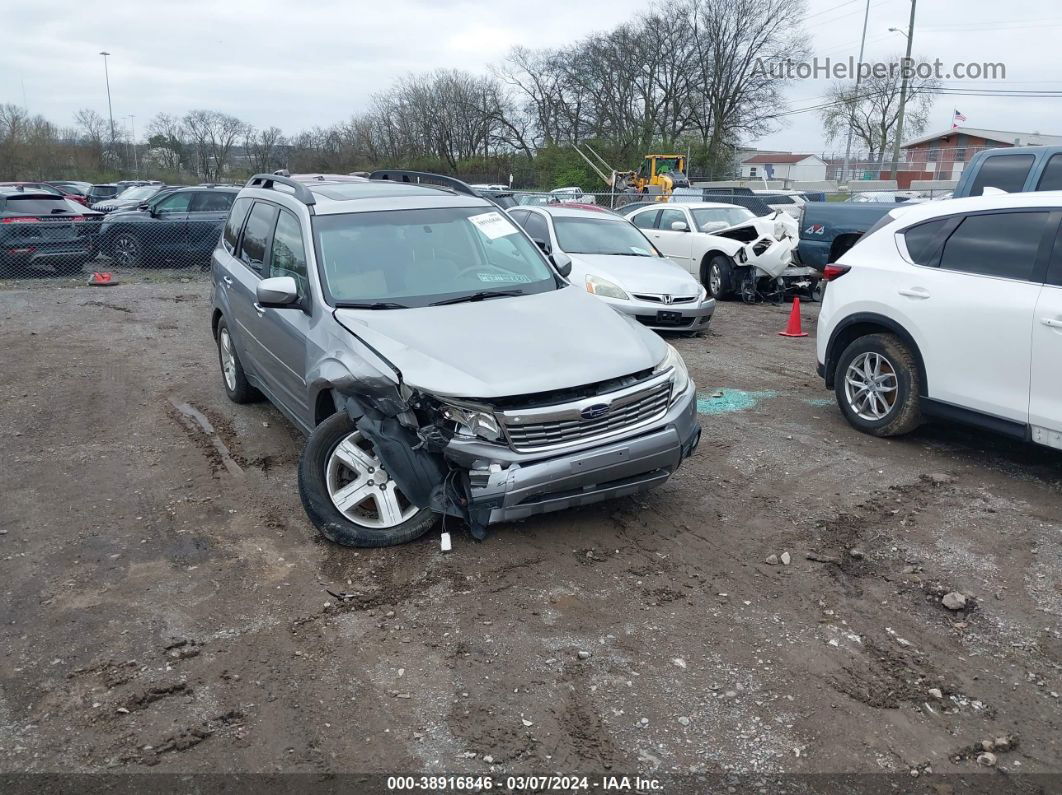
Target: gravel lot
x,y
168,608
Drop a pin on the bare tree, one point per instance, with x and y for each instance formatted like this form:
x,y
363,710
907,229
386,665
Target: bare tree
x,y
732,38
212,135
92,130
264,148
872,112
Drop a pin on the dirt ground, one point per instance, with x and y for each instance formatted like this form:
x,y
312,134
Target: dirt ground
x,y
167,605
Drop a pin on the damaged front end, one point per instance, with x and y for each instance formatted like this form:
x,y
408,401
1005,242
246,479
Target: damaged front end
x,y
506,459
769,248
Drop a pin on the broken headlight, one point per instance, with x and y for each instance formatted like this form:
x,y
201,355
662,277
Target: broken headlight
x,y
600,286
473,422
680,377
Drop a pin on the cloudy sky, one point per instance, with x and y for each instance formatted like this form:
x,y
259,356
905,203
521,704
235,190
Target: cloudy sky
x,y
297,65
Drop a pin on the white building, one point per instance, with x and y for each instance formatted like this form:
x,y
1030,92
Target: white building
x,y
783,166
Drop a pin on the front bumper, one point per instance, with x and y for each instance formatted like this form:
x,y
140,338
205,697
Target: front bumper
x,y
517,486
667,317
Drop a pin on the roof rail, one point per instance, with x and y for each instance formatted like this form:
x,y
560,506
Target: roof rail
x,y
266,181
425,177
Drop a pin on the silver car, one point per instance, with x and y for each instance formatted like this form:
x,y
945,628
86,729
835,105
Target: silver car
x,y
438,361
613,260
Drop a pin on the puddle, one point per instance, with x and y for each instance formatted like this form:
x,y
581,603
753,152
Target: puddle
x,y
724,401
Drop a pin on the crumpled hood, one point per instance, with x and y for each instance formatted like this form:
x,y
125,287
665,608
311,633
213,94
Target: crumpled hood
x,y
503,347
653,275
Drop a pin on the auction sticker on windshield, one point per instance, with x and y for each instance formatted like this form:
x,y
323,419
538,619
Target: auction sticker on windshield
x,y
493,225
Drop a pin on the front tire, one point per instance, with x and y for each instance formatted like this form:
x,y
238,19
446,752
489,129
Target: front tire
x,y
720,277
877,384
347,494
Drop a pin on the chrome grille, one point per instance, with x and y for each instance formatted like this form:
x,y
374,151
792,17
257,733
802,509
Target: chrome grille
x,y
660,299
561,426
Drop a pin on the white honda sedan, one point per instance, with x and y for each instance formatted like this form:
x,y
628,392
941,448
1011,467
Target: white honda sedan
x,y
613,260
953,310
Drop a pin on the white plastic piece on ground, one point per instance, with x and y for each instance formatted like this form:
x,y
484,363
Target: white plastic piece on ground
x,y
444,542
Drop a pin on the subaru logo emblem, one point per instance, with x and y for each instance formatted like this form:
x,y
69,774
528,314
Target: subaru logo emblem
x,y
595,411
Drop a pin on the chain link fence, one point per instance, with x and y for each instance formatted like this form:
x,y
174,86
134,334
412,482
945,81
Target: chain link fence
x,y
43,237
174,227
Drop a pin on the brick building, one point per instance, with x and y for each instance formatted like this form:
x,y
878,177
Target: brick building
x,y
944,155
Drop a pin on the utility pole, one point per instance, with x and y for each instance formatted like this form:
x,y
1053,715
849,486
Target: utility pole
x,y
903,94
855,95
110,111
132,135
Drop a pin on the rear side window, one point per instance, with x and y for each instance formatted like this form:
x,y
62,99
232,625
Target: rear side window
x,y
646,220
1006,172
996,244
1051,179
232,226
924,242
211,201
256,235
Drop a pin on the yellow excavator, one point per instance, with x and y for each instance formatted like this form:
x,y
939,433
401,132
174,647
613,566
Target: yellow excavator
x,y
657,177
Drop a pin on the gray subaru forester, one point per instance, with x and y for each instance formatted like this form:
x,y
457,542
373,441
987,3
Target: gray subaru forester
x,y
438,361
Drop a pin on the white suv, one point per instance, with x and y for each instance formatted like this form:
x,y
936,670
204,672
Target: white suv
x,y
950,309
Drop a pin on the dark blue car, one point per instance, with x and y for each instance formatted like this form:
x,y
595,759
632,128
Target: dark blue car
x,y
179,226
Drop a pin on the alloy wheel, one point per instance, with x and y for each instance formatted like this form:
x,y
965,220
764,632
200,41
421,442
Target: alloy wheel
x,y
126,250
870,386
715,280
228,359
361,489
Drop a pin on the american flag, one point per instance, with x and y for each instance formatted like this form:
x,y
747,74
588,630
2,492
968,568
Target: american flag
x,y
956,118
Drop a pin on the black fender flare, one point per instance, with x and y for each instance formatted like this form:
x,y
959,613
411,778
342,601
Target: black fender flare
x,y
863,323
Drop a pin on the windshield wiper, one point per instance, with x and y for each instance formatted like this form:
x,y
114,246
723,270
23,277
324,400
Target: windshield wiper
x,y
372,305
483,294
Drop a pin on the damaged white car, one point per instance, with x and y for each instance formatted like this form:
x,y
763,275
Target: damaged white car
x,y
439,362
729,249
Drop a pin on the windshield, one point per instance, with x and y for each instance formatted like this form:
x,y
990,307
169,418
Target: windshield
x,y
600,236
712,217
140,193
418,257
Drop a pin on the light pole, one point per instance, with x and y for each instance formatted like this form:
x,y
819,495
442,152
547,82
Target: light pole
x,y
107,77
903,92
855,98
132,136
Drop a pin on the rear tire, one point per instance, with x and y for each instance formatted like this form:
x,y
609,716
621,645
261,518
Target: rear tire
x,y
379,525
238,389
720,277
127,250
878,386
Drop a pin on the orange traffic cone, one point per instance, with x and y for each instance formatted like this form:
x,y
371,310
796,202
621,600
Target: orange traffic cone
x,y
101,279
792,328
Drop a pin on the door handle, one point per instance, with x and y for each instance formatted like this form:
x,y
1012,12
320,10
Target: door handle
x,y
914,292
259,309
227,280
1052,322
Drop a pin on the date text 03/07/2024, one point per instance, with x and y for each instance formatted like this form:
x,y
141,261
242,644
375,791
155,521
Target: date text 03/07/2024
x,y
529,783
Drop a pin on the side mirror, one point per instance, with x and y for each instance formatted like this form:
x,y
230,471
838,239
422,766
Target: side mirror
x,y
679,226
563,263
278,292
143,206
543,244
